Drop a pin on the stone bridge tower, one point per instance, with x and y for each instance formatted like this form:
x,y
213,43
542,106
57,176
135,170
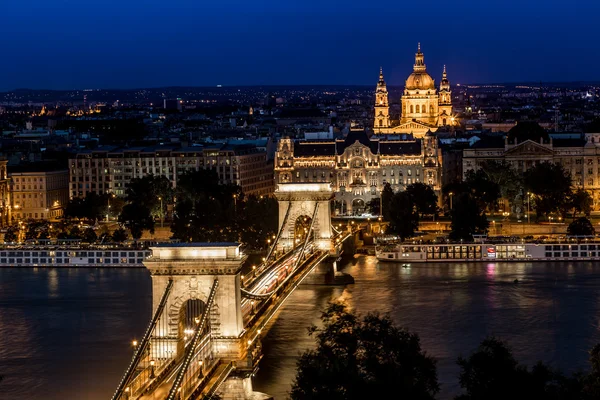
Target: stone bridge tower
x,y
193,268
300,199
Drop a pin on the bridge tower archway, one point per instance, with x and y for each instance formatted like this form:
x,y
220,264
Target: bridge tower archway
x,y
193,269
311,200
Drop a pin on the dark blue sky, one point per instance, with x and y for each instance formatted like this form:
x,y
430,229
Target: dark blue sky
x,y
67,44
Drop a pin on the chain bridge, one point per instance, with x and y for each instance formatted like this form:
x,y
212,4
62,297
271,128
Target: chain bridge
x,y
204,338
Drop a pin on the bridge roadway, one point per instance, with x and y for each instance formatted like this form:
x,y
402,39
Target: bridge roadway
x,y
262,298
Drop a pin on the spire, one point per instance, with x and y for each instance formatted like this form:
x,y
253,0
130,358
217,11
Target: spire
x,y
419,60
381,83
444,83
444,73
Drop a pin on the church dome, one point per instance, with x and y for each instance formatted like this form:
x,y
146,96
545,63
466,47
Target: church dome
x,y
420,80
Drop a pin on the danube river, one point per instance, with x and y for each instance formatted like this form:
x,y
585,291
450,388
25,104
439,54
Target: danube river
x,y
66,333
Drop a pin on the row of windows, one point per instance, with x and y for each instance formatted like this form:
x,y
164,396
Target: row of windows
x,y
82,254
18,261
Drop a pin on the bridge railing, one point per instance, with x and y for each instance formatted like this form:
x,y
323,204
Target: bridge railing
x,y
183,384
140,359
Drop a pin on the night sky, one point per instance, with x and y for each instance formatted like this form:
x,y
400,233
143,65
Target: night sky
x,y
78,44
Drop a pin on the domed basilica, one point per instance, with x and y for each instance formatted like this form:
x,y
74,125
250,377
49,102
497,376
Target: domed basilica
x,y
423,107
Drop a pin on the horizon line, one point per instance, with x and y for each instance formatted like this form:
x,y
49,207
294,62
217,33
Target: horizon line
x,y
221,86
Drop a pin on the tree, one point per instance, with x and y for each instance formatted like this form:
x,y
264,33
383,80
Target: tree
x,y
257,220
581,227
12,234
404,219
89,235
137,218
485,191
467,218
423,197
75,233
363,357
506,177
386,199
206,211
492,373
151,192
119,235
581,202
550,186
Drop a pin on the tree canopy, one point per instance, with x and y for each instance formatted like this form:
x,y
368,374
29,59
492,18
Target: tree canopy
x,y
467,218
423,198
550,186
581,227
363,357
403,215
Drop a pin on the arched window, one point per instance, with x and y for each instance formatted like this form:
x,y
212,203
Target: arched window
x,y
418,109
381,122
411,109
444,121
431,109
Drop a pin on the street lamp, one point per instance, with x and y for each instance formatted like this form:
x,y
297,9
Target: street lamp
x,y
152,376
528,196
161,212
450,194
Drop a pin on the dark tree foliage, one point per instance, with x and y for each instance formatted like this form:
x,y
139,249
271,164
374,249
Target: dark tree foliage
x,y
12,234
205,211
510,183
363,358
119,235
148,192
423,197
137,219
258,220
75,233
404,219
91,207
36,229
492,373
485,191
581,202
550,185
386,199
89,235
581,227
467,218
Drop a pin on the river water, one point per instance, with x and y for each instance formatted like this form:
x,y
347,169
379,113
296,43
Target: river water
x,y
66,333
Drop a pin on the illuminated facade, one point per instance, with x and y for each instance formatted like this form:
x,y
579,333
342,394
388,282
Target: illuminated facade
x,y
357,168
423,108
39,194
5,207
110,171
579,156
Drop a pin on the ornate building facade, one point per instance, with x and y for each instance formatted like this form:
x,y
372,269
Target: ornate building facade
x,y
423,108
358,167
579,156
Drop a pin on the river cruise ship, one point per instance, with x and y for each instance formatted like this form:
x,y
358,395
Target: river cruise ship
x,y
407,253
70,256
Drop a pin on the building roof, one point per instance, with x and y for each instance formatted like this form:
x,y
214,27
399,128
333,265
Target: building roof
x,y
570,142
362,138
401,147
314,148
39,166
490,142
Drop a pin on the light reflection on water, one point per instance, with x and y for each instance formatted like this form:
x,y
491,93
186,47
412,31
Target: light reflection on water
x,y
551,314
66,333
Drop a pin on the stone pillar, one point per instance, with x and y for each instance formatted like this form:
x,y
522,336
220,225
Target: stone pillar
x,y
193,268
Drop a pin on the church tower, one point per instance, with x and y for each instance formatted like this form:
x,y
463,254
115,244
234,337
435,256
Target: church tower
x,y
445,102
382,107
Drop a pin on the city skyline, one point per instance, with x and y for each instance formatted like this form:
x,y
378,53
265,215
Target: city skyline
x,y
267,43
